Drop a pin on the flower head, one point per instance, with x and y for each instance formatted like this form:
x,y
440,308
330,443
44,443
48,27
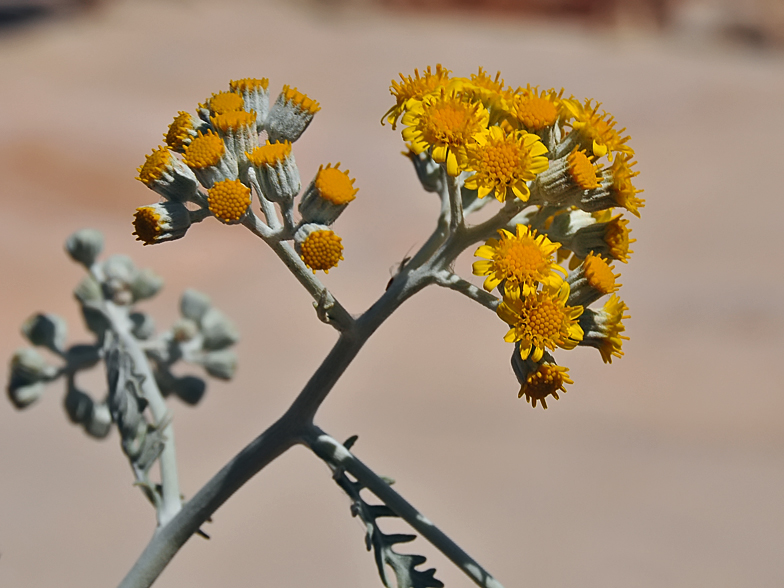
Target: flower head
x,y
596,129
290,115
229,200
161,222
446,123
503,162
276,170
318,246
546,381
209,159
238,131
328,195
603,328
582,170
255,97
181,132
622,189
411,90
491,91
521,260
164,173
541,321
536,110
591,280
223,102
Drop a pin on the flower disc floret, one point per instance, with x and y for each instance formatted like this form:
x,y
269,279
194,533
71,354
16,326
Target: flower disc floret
x,y
445,123
233,121
617,238
270,154
154,166
546,381
248,85
224,102
228,200
541,321
294,96
600,274
604,327
503,162
536,110
180,132
598,128
321,250
521,260
335,185
623,189
411,90
206,150
582,170
161,222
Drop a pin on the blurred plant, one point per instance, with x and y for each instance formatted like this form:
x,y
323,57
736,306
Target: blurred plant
x,y
557,165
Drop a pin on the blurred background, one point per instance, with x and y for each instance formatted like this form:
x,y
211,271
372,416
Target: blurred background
x,y
664,469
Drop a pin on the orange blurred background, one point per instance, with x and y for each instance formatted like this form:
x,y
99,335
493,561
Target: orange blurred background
x,y
663,469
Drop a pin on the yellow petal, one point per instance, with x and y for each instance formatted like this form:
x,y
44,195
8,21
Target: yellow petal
x,y
451,164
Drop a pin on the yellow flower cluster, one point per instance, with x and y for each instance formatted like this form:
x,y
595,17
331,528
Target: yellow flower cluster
x,y
565,160
214,162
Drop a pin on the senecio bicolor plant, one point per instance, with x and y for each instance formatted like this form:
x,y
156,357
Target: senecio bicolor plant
x,y
560,170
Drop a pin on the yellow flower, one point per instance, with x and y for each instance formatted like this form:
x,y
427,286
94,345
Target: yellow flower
x,y
290,115
597,129
161,222
411,90
622,189
318,246
447,123
582,170
276,170
536,110
546,381
617,239
523,260
504,162
181,132
541,321
229,200
223,102
603,328
328,195
491,91
590,281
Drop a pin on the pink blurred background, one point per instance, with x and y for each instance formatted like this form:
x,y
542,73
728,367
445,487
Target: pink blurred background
x,y
664,469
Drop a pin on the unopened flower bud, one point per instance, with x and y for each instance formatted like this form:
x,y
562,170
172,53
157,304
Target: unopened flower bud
x,y
46,330
184,330
218,330
88,291
146,284
190,389
194,304
220,364
85,246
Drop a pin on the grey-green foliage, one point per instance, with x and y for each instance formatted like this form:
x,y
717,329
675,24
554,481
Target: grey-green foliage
x,y
107,297
403,565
